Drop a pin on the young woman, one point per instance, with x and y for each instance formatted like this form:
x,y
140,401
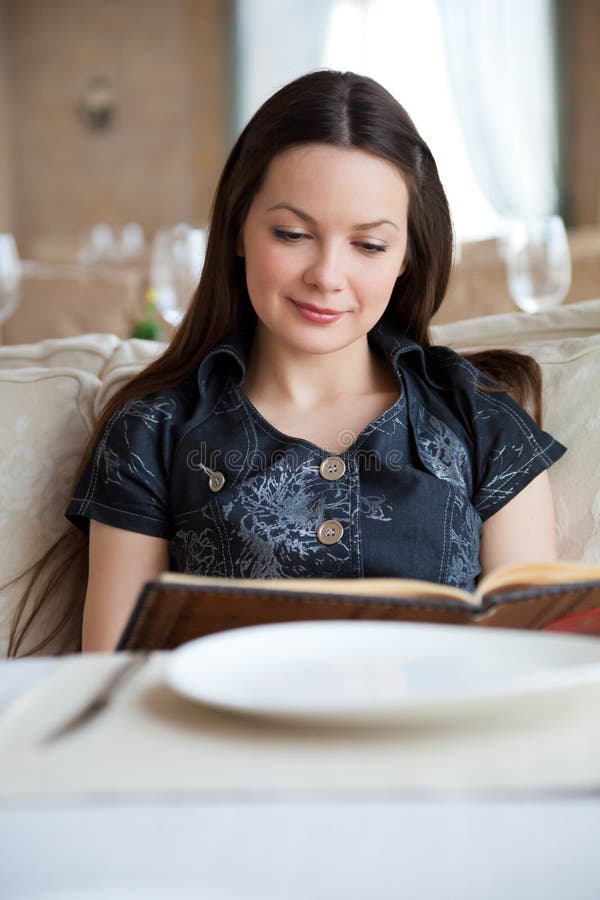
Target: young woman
x,y
300,423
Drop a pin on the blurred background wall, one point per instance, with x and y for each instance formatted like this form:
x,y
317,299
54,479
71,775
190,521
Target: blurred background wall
x,y
579,45
158,160
169,65
6,173
116,111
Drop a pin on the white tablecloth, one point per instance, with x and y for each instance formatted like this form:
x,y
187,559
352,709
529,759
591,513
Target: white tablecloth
x,y
162,799
152,740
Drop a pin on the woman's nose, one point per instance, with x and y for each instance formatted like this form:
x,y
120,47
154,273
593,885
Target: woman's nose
x,y
326,271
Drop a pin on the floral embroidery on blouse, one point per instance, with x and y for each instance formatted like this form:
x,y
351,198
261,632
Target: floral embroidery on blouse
x,y
151,414
441,450
270,525
465,534
200,552
511,462
276,514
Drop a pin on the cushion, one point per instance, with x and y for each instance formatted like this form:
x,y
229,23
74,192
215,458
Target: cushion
x,y
50,396
88,352
47,415
571,411
125,362
114,361
575,320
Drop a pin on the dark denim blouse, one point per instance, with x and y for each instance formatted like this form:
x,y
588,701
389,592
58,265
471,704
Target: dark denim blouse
x,y
198,465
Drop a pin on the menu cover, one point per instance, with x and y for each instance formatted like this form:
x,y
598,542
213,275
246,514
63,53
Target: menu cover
x,y
175,608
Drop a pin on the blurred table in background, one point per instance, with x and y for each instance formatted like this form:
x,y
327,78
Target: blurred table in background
x,y
62,300
478,285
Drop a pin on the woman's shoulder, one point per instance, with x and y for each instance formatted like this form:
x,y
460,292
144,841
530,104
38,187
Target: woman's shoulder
x,y
448,385
176,397
158,412
445,369
482,406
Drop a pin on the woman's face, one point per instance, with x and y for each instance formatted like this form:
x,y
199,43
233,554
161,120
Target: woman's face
x,y
324,241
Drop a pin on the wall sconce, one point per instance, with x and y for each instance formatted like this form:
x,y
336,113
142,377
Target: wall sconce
x,y
98,104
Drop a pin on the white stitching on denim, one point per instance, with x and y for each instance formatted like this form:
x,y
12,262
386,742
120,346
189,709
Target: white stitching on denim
x,y
501,492
443,562
394,411
236,395
221,529
96,463
124,512
354,519
494,400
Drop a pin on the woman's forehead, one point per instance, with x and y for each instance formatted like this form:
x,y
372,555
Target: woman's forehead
x,y
323,174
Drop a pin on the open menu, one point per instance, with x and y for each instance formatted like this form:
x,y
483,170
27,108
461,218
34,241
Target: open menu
x,y
555,596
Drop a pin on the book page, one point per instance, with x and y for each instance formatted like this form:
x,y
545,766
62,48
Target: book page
x,y
536,573
374,587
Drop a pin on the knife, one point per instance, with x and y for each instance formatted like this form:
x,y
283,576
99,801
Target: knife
x,y
100,699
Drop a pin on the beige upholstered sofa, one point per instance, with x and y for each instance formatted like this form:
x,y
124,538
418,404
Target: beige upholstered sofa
x,y
51,391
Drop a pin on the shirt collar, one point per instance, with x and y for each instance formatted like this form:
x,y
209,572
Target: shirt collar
x,y
391,344
229,355
401,351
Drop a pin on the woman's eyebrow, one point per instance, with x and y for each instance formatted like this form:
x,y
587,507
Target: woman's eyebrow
x,y
309,219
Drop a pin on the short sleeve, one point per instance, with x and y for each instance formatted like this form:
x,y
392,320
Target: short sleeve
x,y
509,449
125,483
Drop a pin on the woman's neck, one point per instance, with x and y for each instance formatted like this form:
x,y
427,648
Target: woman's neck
x,y
276,374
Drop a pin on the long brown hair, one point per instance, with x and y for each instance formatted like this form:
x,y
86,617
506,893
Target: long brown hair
x,y
345,110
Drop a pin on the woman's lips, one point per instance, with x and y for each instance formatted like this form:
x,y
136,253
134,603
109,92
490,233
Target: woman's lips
x,y
316,314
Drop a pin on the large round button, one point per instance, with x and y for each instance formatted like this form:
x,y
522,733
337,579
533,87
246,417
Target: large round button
x,y
332,468
330,532
216,481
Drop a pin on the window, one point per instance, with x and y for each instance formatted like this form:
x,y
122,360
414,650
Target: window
x,y
399,43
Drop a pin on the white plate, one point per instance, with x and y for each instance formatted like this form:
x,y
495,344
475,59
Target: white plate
x,y
357,671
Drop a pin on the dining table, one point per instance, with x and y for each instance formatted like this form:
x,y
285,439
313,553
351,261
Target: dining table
x,y
161,796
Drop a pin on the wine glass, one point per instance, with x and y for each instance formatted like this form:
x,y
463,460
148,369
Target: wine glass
x,y
538,262
100,245
175,266
10,276
132,243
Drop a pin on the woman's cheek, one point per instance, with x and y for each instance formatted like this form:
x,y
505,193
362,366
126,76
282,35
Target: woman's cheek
x,y
274,265
377,286
279,269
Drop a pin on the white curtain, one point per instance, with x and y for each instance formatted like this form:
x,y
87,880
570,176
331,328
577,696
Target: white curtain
x,y
276,40
502,74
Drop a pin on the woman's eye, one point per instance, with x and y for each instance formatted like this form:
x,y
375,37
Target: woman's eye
x,y
371,249
292,237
